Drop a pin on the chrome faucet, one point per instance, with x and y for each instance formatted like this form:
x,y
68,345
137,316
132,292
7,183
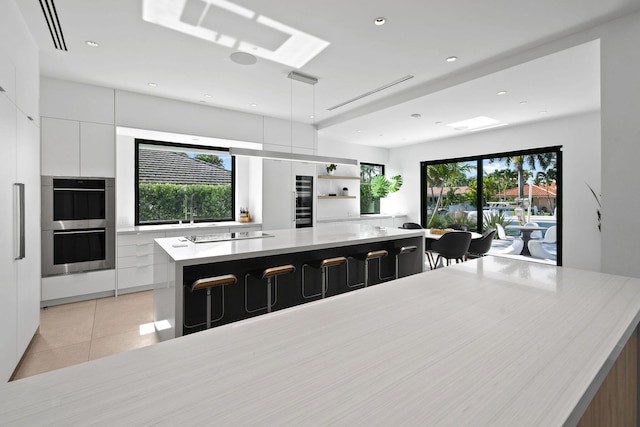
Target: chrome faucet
x,y
193,212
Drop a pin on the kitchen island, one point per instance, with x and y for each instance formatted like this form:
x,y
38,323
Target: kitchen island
x,y
177,311
487,342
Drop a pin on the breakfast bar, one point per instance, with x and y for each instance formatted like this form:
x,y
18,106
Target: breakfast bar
x,y
488,342
192,258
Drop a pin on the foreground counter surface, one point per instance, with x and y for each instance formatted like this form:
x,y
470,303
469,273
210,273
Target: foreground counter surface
x,y
487,342
287,246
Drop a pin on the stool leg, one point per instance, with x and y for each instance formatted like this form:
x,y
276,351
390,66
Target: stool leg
x,y
366,273
208,308
324,281
268,294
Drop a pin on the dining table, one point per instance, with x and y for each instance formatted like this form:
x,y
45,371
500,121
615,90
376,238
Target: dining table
x,y
430,237
525,234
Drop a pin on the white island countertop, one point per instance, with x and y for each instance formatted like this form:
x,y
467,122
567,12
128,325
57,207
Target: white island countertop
x,y
278,242
486,342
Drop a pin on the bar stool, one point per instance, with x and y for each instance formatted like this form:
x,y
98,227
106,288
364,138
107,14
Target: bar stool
x,y
208,284
324,265
366,257
399,251
267,273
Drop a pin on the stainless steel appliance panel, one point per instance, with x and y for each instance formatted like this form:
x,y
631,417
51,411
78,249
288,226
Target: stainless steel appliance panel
x,y
78,224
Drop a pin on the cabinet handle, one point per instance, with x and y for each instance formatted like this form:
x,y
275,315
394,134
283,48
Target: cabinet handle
x,y
295,203
18,218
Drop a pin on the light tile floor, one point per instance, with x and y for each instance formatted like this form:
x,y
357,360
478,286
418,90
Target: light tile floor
x,y
77,332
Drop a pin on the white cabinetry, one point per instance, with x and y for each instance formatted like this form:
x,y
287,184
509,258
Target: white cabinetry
x,y
141,264
60,147
19,278
139,260
278,192
77,287
8,297
74,148
97,150
19,139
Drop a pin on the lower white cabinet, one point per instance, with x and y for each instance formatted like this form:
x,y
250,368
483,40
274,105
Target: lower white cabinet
x,y
76,286
141,264
139,261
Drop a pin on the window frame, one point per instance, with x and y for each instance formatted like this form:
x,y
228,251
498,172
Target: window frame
x,y
480,159
181,147
382,166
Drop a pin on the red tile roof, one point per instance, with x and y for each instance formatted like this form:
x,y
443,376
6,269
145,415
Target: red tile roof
x,y
536,191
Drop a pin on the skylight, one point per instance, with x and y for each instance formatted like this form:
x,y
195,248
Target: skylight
x,y
474,123
236,27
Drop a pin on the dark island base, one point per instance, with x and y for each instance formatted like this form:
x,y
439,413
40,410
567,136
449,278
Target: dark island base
x,y
289,288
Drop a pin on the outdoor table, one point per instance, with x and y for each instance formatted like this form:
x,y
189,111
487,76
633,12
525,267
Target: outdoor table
x,y
525,231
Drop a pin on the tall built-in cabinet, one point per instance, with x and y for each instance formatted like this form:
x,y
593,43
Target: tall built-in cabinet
x,y
78,140
19,139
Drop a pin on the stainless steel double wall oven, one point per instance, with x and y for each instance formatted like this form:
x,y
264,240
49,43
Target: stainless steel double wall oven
x,y
78,224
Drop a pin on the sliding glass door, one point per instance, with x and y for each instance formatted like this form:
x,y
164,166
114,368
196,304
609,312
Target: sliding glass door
x,y
503,191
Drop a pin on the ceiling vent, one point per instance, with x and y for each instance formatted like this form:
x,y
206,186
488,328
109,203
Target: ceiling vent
x,y
51,16
371,92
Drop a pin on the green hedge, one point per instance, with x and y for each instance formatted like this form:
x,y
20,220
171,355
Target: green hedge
x,y
171,202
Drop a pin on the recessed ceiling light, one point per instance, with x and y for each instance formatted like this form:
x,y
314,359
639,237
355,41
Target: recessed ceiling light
x,y
92,43
380,21
243,58
543,112
415,115
359,131
502,92
312,116
523,102
452,59
153,84
206,95
253,104
438,123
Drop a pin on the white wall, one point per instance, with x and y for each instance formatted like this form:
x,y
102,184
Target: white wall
x,y
579,137
620,145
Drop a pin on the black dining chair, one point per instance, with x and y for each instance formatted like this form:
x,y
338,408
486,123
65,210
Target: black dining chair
x,y
460,227
411,225
453,245
480,246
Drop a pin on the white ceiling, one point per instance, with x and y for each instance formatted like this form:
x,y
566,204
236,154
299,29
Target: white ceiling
x,y
417,38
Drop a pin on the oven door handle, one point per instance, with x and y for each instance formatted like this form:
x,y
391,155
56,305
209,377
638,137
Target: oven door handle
x,y
18,218
79,231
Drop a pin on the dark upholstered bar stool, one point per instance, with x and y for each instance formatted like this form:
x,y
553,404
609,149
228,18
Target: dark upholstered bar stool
x,y
269,274
324,266
366,257
208,284
397,252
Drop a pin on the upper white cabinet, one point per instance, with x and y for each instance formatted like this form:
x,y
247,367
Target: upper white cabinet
x,y
97,150
74,148
60,147
8,78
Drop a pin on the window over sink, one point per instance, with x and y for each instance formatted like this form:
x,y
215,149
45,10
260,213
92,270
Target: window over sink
x,y
182,183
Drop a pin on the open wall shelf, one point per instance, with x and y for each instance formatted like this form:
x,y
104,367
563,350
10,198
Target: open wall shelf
x,y
338,177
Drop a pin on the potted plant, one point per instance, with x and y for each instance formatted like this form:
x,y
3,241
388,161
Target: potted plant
x,y
381,186
331,168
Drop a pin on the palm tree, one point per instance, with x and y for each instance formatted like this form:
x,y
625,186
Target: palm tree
x,y
532,160
444,175
547,177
